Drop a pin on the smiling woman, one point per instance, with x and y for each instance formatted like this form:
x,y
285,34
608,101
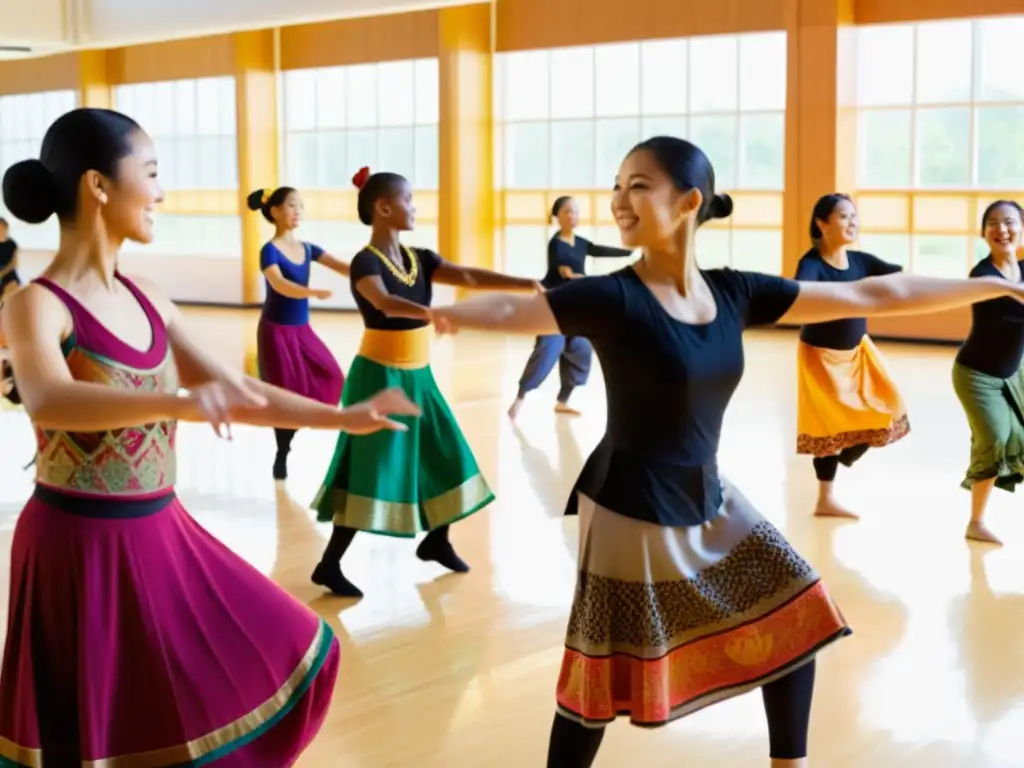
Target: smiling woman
x,y
111,577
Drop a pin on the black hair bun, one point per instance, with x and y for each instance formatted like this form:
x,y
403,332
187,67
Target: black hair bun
x,y
720,208
255,200
30,192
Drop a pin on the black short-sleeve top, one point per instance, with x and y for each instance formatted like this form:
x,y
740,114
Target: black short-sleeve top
x,y
845,333
366,264
668,384
995,345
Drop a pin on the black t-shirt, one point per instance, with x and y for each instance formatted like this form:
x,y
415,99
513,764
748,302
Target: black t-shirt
x,y
561,254
995,345
668,384
7,250
846,333
366,263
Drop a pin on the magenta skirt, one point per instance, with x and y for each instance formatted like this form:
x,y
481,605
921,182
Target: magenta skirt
x,y
146,642
294,358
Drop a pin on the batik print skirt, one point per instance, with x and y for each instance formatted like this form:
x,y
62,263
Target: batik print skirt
x,y
666,621
135,639
845,397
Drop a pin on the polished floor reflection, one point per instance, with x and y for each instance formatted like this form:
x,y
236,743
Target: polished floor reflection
x,y
444,671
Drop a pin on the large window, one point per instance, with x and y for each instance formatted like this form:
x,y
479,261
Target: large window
x,y
940,134
24,119
193,124
566,117
337,120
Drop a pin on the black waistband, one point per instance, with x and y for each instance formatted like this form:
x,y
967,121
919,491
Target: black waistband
x,y
106,507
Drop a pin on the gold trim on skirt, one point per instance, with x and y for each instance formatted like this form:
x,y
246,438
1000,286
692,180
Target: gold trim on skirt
x,y
845,397
398,349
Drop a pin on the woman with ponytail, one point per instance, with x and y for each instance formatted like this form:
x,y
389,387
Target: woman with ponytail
x,y
426,478
846,400
290,354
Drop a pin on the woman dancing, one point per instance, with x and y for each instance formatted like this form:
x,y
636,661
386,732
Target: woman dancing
x,y
426,478
686,595
846,401
988,376
291,355
134,637
9,280
567,260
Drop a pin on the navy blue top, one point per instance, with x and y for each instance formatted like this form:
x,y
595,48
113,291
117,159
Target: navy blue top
x,y
366,263
845,333
995,345
284,309
561,254
668,384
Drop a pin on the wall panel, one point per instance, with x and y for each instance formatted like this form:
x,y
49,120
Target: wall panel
x,y
360,41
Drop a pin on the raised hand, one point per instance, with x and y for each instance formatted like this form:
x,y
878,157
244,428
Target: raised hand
x,y
215,401
375,414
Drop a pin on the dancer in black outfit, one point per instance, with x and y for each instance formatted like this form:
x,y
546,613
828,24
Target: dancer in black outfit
x,y
686,595
567,260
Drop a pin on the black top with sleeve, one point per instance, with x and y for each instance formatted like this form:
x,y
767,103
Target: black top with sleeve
x,y
995,345
366,263
668,384
845,333
561,254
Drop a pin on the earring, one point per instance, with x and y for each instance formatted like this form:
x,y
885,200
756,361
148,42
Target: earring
x,y
103,198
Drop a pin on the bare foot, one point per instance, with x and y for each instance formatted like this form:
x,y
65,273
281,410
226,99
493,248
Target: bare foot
x,y
832,509
513,410
978,531
566,409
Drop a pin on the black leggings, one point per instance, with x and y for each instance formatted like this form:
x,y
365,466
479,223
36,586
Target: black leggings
x,y
825,467
787,705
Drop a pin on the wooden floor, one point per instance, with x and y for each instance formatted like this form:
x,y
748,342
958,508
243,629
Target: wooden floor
x,y
445,671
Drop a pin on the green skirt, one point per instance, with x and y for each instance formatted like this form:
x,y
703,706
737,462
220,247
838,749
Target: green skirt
x,y
401,483
995,414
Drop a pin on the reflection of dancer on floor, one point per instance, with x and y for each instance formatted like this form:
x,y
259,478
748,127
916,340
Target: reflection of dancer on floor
x,y
291,355
135,637
988,376
427,478
687,595
846,402
567,259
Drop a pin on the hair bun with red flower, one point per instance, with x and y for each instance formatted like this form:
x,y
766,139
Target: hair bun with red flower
x,y
361,177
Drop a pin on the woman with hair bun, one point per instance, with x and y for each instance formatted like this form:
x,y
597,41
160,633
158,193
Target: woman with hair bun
x,y
427,478
567,260
134,636
290,354
846,400
686,595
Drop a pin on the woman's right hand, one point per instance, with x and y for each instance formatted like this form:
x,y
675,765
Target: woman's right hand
x,y
374,414
321,293
214,401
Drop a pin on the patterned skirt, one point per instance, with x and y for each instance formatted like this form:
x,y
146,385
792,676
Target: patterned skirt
x,y
401,483
136,639
666,621
845,397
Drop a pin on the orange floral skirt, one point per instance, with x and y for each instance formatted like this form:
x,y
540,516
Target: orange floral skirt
x,y
666,621
845,397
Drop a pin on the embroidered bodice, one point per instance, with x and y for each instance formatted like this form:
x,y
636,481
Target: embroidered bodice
x,y
131,462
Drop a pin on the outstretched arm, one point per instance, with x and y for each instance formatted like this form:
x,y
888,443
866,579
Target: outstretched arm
x,y
481,279
286,287
897,294
335,264
529,315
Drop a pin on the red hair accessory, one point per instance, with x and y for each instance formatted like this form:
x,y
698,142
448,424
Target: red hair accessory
x,y
361,177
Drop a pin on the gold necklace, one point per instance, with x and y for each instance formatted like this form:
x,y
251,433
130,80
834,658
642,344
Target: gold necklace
x,y
406,278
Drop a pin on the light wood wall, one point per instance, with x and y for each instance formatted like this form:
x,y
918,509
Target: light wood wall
x,y
820,131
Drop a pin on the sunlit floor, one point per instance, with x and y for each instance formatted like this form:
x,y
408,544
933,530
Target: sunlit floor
x,y
449,671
